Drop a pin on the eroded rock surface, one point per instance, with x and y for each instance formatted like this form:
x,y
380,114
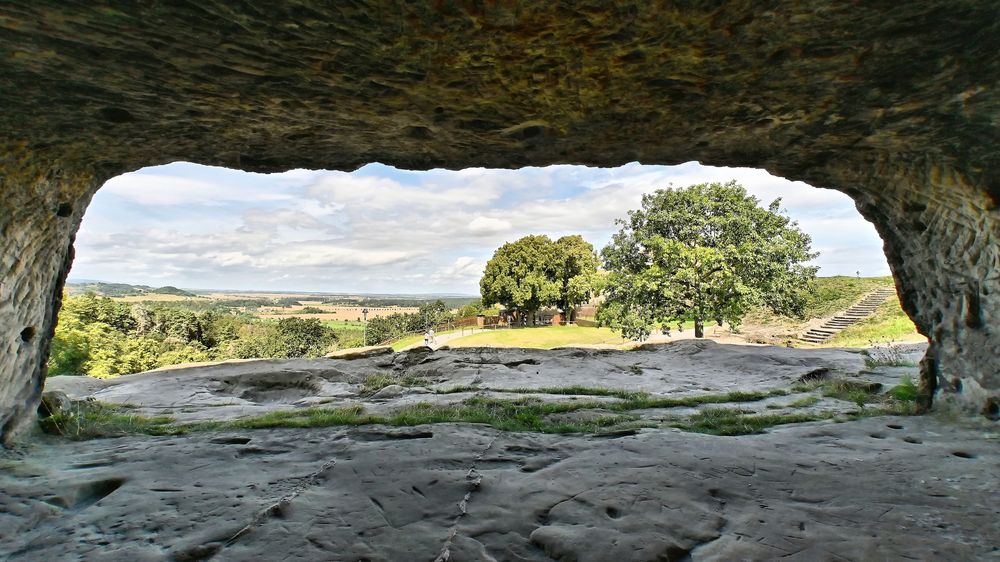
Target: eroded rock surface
x,y
883,102
882,488
248,388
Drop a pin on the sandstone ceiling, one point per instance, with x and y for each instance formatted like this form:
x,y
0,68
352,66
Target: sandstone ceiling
x,y
894,103
791,86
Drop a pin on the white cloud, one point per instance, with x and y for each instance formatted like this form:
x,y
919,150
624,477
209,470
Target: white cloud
x,y
488,225
382,230
463,268
160,190
368,195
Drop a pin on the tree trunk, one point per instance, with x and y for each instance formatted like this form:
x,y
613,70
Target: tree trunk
x,y
699,328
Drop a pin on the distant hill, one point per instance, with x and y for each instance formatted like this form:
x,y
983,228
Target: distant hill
x,y
121,289
171,290
106,289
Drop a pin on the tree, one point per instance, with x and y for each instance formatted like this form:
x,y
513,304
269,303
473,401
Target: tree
x,y
521,275
304,337
575,272
705,252
432,313
473,308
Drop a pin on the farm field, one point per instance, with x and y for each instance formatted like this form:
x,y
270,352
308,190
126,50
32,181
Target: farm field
x,y
156,297
333,312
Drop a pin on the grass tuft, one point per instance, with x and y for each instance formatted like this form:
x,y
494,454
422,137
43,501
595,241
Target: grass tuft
x,y
734,421
377,381
905,391
858,392
804,402
93,419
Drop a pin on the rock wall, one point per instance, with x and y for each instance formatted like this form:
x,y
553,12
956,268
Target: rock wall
x,y
895,105
942,239
40,212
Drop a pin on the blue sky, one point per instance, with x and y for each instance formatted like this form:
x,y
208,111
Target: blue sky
x,y
380,229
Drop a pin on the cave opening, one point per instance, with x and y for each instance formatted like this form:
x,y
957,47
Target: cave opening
x,y
323,245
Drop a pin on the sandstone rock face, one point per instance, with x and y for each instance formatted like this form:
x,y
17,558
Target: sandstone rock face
x,y
236,389
886,104
876,489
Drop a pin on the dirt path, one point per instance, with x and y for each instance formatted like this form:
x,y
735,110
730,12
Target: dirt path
x,y
441,339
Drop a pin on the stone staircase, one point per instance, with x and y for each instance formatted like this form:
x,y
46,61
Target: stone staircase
x,y
859,311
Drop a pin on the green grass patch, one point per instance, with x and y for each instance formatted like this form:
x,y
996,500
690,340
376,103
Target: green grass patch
x,y
94,419
541,337
306,417
377,381
804,402
633,399
851,391
526,414
563,390
734,421
905,391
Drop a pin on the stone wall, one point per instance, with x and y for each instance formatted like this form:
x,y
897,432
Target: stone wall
x,y
40,212
893,103
942,240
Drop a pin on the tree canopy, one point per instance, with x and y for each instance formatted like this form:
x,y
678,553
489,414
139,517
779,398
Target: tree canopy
x,y
705,252
102,337
534,271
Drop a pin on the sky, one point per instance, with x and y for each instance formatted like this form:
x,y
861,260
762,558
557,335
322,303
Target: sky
x,y
384,230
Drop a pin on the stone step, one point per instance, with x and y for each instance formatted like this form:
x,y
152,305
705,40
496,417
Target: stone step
x,y
854,314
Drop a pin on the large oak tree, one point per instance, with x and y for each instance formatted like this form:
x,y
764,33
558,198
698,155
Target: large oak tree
x,y
705,252
534,271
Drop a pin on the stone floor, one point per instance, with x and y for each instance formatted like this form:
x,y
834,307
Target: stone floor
x,y
880,488
876,489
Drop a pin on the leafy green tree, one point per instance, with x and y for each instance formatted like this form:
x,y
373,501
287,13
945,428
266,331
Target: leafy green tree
x,y
471,309
433,313
383,329
90,308
304,337
705,252
575,272
70,349
257,340
189,353
521,275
